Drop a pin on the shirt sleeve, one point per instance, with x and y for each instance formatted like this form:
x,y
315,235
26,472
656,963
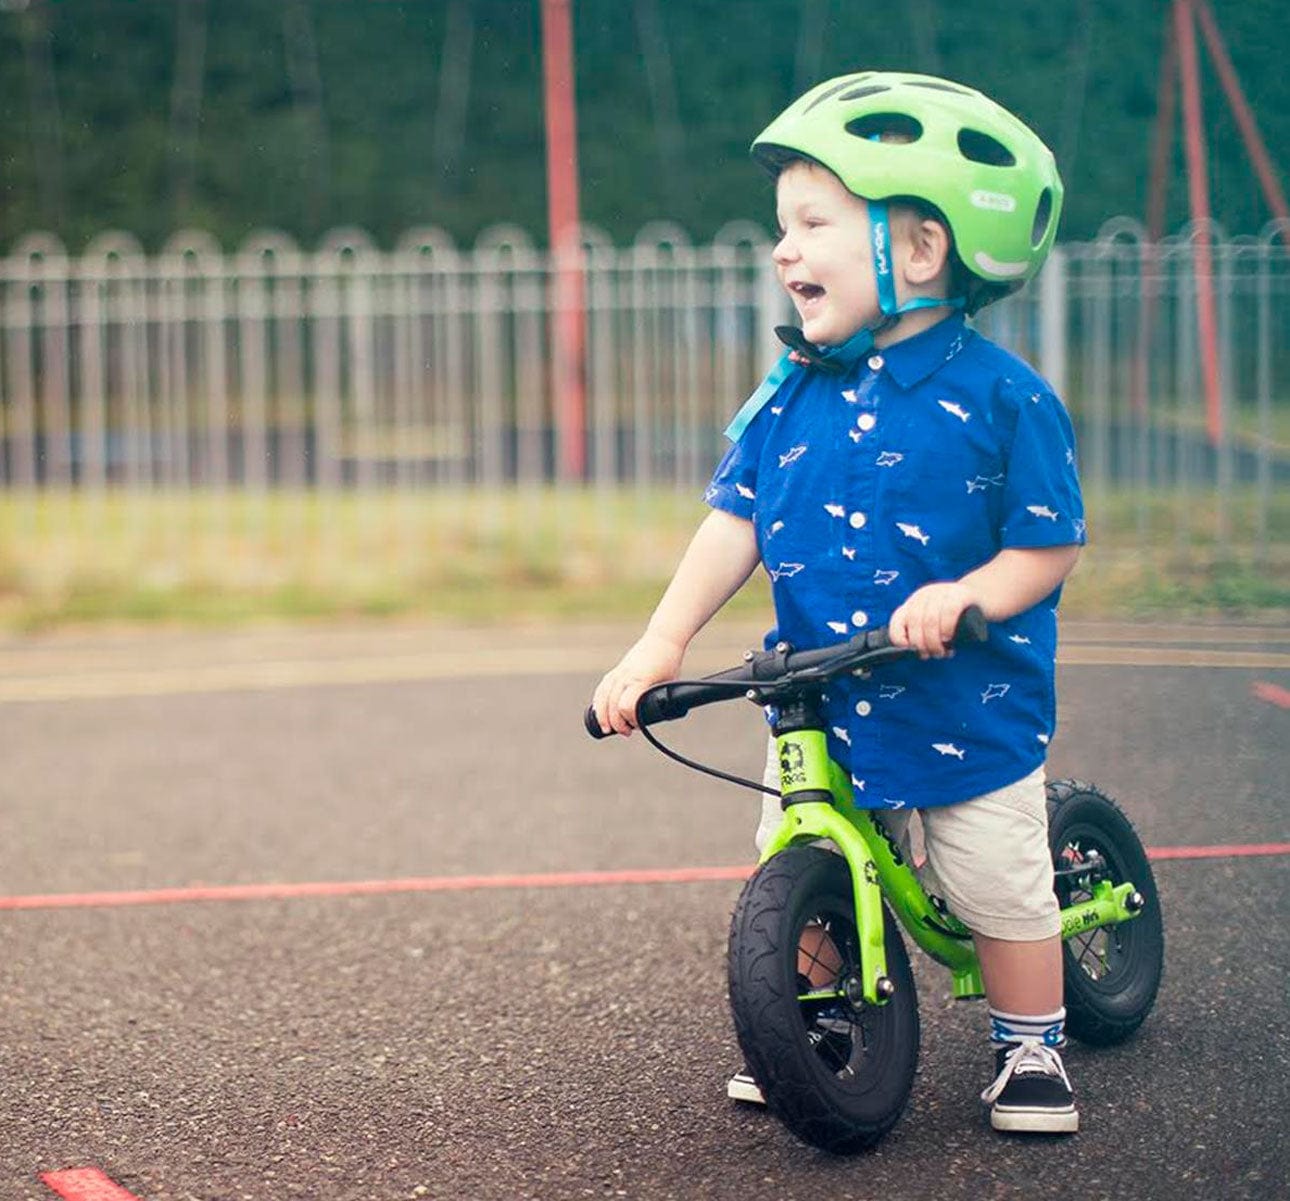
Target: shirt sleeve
x,y
1042,504
734,484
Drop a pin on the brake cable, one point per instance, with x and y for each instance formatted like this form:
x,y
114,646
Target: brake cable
x,y
742,686
819,673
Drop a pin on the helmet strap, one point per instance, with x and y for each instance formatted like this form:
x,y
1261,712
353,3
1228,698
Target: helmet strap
x,y
884,274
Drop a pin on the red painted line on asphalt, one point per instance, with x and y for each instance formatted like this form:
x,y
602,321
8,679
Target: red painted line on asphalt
x,y
86,1184
1236,850
350,888
1272,693
354,888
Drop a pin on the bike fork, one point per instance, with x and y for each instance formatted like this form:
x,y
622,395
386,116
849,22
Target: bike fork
x,y
816,796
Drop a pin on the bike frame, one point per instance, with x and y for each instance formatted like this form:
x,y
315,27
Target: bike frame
x,y
818,805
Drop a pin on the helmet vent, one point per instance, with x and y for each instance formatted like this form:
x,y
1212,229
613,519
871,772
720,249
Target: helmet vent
x,y
870,89
982,148
886,127
833,91
936,87
1043,214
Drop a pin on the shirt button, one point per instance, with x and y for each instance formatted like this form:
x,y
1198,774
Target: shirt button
x,y
858,521
875,362
864,708
859,619
866,421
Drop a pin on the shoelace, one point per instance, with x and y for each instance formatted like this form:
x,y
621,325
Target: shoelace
x,y
1029,1056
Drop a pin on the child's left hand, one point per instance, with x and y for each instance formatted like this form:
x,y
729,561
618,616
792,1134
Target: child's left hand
x,y
927,620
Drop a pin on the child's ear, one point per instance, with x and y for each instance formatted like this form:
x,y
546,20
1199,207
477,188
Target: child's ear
x,y
928,251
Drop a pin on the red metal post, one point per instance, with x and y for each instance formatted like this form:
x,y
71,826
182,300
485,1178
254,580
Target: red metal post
x,y
1245,121
1157,194
568,291
1198,191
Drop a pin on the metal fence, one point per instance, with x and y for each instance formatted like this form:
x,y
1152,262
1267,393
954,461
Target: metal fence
x,y
351,369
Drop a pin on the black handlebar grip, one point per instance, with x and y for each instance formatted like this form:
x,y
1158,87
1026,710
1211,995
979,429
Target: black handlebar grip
x,y
972,626
592,722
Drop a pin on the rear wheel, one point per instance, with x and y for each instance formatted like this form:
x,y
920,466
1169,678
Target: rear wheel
x,y
837,1072
1112,973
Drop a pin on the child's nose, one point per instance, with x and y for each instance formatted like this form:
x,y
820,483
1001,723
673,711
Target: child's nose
x,y
784,251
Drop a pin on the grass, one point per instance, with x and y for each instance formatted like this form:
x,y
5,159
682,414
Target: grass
x,y
516,555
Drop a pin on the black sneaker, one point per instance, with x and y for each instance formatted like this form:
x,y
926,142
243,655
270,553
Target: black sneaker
x,y
1031,1093
742,1087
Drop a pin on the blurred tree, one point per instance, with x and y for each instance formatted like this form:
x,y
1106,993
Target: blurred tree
x,y
186,105
313,152
432,109
45,118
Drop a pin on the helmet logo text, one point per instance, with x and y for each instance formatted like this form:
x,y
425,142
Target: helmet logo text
x,y
999,202
881,263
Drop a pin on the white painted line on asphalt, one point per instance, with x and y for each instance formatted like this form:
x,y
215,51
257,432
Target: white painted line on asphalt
x,y
447,664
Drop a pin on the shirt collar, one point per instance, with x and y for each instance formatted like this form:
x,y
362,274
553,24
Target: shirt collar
x,y
912,360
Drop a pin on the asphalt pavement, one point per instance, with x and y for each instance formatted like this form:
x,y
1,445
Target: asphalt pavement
x,y
472,999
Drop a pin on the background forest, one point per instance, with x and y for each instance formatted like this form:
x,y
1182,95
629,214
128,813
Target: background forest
x,y
232,115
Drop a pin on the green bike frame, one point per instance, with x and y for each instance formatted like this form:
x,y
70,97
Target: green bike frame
x,y
817,805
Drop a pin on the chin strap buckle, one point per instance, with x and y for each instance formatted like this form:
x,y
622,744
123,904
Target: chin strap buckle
x,y
795,340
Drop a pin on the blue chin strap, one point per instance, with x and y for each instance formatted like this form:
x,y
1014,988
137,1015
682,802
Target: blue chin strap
x,y
838,360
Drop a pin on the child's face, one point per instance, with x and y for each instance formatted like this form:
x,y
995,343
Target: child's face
x,y
823,257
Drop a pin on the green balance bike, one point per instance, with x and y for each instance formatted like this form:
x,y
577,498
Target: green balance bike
x,y
821,990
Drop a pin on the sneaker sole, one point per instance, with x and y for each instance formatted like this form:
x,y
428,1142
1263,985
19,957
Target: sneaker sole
x,y
1035,1121
745,1091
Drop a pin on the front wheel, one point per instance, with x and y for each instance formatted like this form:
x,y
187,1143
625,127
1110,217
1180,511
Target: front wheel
x,y
837,1074
1112,973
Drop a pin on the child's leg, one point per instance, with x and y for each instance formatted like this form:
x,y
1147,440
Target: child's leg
x,y
771,810
991,855
1021,977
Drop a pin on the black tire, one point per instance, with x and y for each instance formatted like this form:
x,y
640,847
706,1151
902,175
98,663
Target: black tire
x,y
837,1075
1111,974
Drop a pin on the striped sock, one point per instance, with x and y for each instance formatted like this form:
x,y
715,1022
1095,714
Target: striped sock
x,y
1047,1028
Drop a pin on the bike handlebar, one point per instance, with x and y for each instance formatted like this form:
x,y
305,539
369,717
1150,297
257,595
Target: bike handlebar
x,y
768,672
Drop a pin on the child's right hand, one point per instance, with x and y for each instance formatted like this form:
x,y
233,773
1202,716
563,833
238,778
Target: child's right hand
x,y
650,661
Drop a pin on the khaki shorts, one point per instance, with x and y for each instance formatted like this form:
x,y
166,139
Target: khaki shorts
x,y
988,858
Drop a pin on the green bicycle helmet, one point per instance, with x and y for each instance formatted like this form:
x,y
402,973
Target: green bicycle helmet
x,y
890,135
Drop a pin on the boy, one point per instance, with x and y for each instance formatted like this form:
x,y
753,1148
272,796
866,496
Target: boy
x,y
893,469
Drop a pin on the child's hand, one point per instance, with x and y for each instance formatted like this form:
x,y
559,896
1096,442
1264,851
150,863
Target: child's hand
x,y
652,660
927,620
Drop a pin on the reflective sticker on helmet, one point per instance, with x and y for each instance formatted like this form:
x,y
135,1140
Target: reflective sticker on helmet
x,y
999,202
993,266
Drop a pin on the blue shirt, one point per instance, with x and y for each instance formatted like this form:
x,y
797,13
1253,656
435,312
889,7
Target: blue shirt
x,y
921,463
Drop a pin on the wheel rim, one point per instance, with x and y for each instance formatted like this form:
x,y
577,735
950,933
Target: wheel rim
x,y
841,1035
1105,955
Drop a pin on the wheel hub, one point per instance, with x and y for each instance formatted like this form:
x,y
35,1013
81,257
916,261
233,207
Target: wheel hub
x,y
853,990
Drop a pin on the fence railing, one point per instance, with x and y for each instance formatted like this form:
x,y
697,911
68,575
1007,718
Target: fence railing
x,y
354,369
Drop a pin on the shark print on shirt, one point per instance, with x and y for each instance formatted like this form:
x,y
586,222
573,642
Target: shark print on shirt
x,y
785,570
879,482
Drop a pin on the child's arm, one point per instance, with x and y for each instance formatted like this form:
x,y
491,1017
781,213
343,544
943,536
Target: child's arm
x,y
1015,579
720,557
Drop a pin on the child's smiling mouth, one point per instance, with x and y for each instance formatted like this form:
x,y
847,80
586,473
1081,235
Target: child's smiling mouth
x,y
805,292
